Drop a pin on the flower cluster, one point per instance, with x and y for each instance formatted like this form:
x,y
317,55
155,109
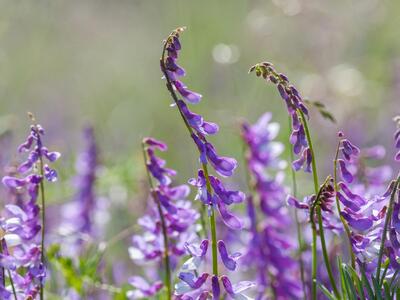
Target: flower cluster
x,y
270,250
21,251
211,190
169,214
360,194
79,213
297,112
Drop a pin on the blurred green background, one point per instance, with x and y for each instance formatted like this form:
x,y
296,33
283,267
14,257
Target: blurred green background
x,y
78,62
96,62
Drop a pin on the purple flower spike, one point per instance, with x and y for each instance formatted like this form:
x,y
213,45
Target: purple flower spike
x,y
350,204
229,219
224,166
192,281
349,149
292,201
228,260
196,121
215,287
360,223
143,288
187,94
153,143
346,175
13,182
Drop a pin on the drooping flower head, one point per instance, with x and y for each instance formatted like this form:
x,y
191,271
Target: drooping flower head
x,y
296,110
271,248
211,191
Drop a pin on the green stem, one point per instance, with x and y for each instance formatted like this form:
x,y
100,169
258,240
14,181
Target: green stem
x,y
12,284
385,228
298,225
43,202
175,98
204,166
319,215
316,187
325,253
345,226
163,227
212,225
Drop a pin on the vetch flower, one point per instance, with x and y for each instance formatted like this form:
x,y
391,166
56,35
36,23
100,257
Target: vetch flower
x,y
22,223
269,253
211,191
168,224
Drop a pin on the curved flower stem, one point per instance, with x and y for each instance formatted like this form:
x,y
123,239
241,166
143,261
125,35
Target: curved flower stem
x,y
204,166
345,226
319,214
163,227
385,227
314,230
300,240
175,98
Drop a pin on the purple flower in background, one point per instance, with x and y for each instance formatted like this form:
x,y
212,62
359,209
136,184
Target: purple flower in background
x,y
79,213
178,220
362,194
296,110
269,253
22,252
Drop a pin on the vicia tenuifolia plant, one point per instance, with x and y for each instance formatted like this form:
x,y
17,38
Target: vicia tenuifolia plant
x,y
22,253
196,284
195,241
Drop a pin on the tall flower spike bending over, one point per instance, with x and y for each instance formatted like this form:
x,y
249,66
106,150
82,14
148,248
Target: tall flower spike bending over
x,y
167,226
270,249
212,192
35,170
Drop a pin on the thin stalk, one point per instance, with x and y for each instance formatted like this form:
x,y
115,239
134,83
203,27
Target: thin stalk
x,y
164,230
43,202
12,284
314,231
319,214
325,253
204,166
298,225
385,227
3,274
175,98
212,225
345,226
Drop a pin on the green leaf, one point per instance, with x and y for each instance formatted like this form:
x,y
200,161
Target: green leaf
x,y
386,289
327,293
351,290
366,284
357,280
377,288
